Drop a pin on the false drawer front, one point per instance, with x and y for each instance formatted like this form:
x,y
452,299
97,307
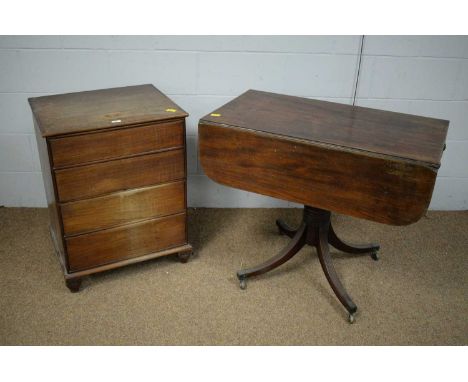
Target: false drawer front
x,y
133,240
121,174
119,143
123,207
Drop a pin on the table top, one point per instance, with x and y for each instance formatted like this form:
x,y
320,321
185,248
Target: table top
x,y
385,133
100,109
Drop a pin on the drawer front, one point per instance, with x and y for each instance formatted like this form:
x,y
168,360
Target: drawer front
x,y
121,174
123,207
116,143
108,246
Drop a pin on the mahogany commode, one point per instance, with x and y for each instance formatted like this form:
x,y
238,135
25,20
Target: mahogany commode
x,y
114,168
357,161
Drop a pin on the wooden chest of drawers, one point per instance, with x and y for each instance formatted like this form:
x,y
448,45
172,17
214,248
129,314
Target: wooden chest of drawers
x,y
114,169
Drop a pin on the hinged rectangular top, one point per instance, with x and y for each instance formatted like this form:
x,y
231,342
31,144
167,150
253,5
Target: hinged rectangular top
x,y
99,109
380,132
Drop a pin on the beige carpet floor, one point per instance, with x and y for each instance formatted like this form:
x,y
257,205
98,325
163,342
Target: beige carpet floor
x,y
416,294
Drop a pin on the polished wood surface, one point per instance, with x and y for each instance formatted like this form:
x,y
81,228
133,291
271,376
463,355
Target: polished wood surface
x,y
121,174
361,185
366,163
99,109
117,143
185,249
315,230
56,228
123,207
398,135
132,240
114,168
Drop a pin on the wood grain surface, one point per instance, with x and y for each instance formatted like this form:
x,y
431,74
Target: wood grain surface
x,y
105,144
97,109
121,174
123,207
398,135
125,242
345,181
56,228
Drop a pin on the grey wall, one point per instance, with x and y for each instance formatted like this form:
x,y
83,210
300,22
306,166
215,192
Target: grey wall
x,y
425,75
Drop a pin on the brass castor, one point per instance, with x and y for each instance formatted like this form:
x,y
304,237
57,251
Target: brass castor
x,y
351,318
242,283
374,256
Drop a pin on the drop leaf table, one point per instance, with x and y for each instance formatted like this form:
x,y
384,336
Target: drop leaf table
x,y
362,162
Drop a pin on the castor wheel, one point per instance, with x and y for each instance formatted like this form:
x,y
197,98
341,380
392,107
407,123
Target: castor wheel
x,y
374,256
351,318
243,283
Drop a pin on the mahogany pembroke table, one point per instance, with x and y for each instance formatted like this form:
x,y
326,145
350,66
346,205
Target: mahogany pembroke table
x,y
366,163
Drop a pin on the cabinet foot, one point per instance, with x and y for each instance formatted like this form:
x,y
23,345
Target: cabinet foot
x,y
184,256
73,284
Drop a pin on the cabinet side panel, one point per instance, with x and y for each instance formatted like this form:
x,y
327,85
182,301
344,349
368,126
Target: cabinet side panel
x,y
348,182
54,209
185,183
